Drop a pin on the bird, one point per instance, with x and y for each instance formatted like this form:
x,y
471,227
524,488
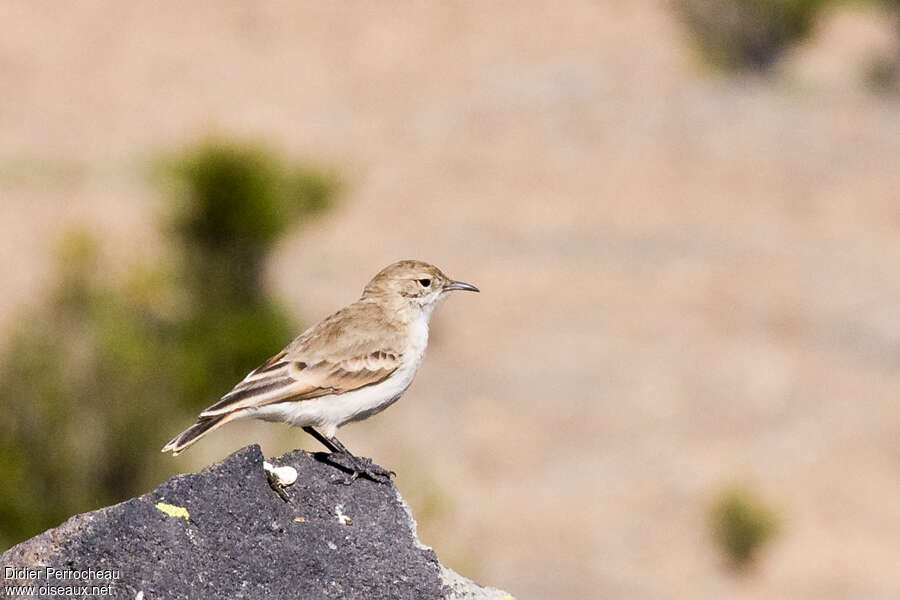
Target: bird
x,y
347,367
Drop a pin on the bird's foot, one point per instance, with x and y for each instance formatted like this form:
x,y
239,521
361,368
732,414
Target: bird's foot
x,y
368,469
362,467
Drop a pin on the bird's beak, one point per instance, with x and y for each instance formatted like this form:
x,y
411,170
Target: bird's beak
x,y
460,285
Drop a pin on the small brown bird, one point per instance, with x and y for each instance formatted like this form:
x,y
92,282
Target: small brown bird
x,y
348,367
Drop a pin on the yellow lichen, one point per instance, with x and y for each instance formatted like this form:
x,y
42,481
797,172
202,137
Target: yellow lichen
x,y
173,511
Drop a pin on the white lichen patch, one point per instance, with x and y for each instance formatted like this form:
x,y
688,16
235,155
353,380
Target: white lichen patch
x,y
283,476
341,517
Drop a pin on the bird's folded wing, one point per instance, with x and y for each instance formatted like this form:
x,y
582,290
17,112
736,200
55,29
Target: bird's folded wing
x,y
283,378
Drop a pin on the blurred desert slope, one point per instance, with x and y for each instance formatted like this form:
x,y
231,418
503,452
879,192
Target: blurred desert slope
x,y
687,279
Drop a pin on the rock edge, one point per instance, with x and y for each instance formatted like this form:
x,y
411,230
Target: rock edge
x,y
224,533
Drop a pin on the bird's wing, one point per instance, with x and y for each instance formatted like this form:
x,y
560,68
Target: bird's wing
x,y
314,365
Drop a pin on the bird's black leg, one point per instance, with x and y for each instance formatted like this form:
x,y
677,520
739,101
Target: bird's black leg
x,y
325,441
360,466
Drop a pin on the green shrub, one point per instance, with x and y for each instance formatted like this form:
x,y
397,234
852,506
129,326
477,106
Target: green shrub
x,y
747,34
741,525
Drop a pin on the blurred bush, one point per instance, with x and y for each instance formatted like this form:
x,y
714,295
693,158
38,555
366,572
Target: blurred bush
x,y
95,379
883,73
741,525
230,205
747,34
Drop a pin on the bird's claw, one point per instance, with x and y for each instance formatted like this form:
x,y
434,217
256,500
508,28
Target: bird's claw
x,y
364,467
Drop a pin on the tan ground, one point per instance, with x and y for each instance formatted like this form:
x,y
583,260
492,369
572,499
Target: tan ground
x,y
687,280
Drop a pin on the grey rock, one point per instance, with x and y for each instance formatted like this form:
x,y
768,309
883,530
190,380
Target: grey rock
x,y
224,533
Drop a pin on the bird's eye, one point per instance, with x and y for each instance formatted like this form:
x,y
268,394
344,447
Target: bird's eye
x,y
424,282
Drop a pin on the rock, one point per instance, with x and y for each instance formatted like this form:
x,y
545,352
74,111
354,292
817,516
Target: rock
x,y
224,533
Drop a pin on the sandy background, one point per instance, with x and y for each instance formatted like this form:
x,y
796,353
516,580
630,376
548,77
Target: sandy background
x,y
687,279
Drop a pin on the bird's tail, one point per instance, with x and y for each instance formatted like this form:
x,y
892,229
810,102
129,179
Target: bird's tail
x,y
196,431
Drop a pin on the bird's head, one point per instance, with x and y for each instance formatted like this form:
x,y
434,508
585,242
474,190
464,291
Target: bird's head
x,y
414,282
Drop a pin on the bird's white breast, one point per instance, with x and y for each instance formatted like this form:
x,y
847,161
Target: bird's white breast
x,y
330,412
